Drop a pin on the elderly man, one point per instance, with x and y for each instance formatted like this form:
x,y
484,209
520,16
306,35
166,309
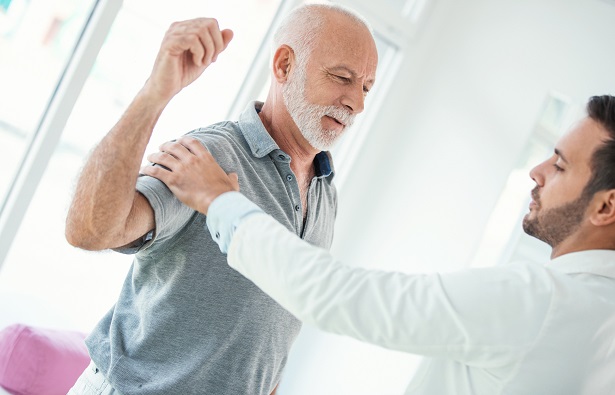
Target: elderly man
x,y
523,328
185,323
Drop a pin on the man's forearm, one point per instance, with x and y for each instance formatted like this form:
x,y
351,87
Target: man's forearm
x,y
105,192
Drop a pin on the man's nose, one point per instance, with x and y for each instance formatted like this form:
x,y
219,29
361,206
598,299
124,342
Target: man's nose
x,y
354,99
537,174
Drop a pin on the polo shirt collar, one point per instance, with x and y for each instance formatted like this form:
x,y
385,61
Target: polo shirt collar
x,y
261,143
323,163
599,262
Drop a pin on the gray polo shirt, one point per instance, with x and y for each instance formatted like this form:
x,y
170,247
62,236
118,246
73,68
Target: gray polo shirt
x,y
185,322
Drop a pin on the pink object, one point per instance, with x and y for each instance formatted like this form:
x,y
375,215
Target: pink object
x,y
37,361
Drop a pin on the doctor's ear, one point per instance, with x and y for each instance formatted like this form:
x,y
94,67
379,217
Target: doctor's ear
x,y
603,212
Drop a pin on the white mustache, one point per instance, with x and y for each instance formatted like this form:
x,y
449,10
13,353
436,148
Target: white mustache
x,y
343,116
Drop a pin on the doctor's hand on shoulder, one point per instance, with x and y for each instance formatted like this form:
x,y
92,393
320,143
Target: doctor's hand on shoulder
x,y
190,171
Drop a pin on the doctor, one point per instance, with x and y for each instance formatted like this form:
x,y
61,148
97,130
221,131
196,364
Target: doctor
x,y
525,328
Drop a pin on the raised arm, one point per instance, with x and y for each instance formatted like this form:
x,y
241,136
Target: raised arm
x,y
106,210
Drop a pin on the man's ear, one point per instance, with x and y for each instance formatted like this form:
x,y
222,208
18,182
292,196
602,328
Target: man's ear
x,y
604,208
283,58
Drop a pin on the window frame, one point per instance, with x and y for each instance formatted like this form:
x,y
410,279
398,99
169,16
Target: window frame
x,y
45,138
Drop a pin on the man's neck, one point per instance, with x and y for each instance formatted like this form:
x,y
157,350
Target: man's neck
x,y
585,240
288,137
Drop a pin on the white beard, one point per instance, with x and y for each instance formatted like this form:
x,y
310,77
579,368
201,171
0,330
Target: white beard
x,y
308,116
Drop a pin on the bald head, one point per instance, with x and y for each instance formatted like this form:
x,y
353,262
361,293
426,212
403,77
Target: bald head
x,y
302,28
324,63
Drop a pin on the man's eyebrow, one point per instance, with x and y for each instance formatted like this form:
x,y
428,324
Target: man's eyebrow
x,y
369,82
345,68
559,153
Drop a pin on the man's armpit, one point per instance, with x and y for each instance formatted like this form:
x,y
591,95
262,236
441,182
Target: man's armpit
x,y
134,246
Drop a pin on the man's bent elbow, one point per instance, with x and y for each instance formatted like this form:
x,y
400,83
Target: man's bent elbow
x,y
80,237
79,241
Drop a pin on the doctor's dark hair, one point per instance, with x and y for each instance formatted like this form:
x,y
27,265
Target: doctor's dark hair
x,y
601,109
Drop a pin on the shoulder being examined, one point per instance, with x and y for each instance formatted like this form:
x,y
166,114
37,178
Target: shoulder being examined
x,y
224,140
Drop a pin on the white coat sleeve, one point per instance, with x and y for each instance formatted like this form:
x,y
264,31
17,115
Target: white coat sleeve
x,y
481,315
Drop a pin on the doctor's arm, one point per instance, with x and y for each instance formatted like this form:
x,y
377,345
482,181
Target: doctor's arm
x,y
455,315
373,306
306,280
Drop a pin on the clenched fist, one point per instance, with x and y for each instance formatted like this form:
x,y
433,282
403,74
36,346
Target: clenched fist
x,y
187,49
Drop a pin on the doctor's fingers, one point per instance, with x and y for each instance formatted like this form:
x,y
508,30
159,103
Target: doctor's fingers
x,y
166,160
194,146
176,148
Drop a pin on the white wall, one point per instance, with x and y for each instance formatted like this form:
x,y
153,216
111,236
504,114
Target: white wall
x,y
466,100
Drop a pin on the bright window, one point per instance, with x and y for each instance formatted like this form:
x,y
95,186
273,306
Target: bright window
x,y
503,240
36,39
55,284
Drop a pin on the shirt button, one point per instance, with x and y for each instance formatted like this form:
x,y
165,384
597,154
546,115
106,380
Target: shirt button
x,y
289,177
297,208
217,235
281,157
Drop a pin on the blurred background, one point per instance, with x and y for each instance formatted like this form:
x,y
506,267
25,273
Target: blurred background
x,y
434,177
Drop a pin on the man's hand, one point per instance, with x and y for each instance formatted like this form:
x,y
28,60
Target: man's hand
x,y
187,49
191,173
